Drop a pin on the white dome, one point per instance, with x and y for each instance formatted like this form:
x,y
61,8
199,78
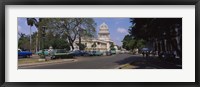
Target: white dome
x,y
103,26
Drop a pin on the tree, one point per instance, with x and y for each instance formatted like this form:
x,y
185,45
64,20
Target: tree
x,y
112,46
55,40
72,28
31,22
39,24
94,45
162,32
86,29
23,42
81,46
131,43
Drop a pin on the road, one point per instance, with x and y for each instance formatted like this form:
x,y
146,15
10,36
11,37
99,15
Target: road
x,y
97,62
110,62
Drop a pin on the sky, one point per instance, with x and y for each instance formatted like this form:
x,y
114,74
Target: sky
x,y
118,27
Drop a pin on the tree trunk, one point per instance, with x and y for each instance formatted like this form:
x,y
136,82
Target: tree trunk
x,y
30,38
36,49
175,47
180,43
39,43
163,46
71,43
79,42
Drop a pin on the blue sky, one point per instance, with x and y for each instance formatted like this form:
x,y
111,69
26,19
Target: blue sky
x,y
118,27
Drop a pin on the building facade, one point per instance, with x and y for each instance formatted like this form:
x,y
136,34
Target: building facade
x,y
102,42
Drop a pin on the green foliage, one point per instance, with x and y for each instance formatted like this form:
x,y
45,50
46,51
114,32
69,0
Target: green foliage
x,y
57,44
157,31
72,28
60,33
130,43
23,41
31,21
112,46
81,46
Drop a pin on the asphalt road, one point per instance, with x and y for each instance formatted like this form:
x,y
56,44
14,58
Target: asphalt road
x,y
98,62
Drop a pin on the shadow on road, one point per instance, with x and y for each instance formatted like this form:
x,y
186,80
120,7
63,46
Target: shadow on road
x,y
139,62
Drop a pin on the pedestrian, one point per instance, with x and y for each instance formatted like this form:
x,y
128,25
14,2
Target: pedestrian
x,y
147,54
143,53
50,50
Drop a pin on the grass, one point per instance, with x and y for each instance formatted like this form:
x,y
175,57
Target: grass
x,y
28,60
36,60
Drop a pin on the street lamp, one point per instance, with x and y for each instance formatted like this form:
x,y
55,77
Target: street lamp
x,y
43,39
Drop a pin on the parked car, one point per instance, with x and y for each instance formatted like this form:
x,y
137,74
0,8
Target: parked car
x,y
60,53
79,53
91,53
95,53
46,52
24,53
108,53
84,53
113,52
121,52
166,55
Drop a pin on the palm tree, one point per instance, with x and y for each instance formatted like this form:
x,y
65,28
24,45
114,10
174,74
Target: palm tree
x,y
31,22
38,24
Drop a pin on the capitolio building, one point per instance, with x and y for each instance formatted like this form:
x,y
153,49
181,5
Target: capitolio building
x,y
103,41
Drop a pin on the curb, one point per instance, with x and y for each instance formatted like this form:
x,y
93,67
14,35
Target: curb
x,y
122,66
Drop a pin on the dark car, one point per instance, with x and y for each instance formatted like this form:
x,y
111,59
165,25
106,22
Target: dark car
x,y
84,53
166,55
108,53
79,53
24,53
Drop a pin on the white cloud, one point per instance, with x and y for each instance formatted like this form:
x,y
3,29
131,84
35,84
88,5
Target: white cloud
x,y
19,28
122,30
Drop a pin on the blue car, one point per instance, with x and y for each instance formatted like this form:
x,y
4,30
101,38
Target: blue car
x,y
24,54
46,52
78,53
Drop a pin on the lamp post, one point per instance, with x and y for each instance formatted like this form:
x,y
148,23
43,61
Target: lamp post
x,y
43,41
